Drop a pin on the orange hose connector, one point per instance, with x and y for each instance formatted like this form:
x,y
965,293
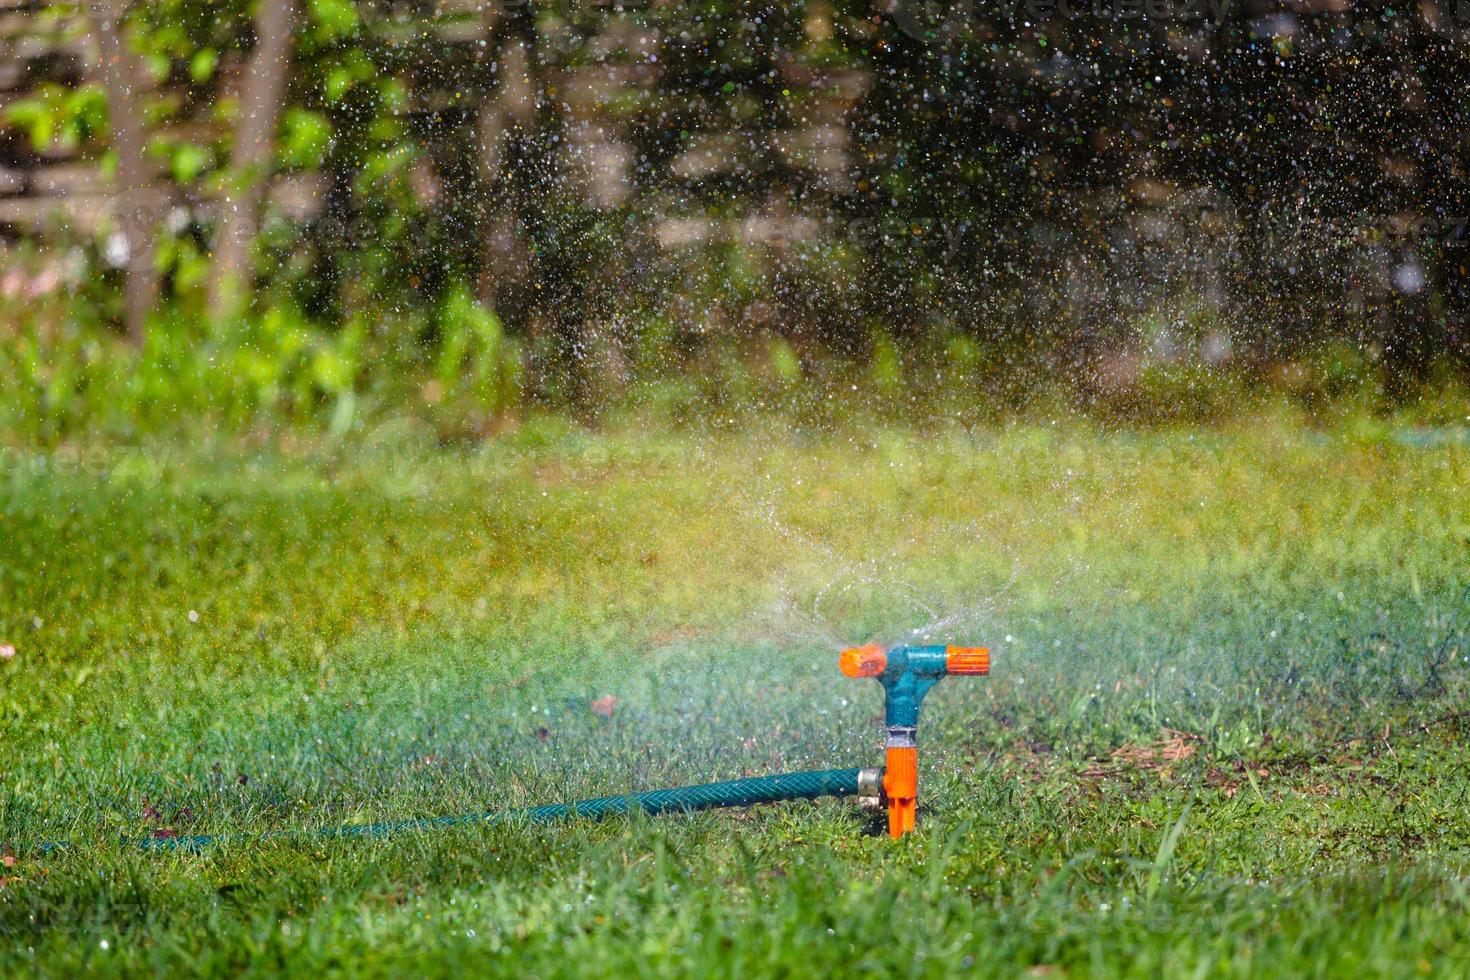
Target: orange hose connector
x,y
901,786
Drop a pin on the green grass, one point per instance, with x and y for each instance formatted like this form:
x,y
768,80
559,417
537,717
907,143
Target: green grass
x,y
1221,737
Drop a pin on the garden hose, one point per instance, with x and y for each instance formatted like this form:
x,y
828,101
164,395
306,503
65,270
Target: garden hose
x,y
680,799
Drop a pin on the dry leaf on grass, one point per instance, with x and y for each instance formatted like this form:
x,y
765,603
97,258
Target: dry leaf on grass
x,y
1160,754
1155,754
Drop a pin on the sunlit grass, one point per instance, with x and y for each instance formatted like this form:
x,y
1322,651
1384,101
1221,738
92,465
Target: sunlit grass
x,y
1266,626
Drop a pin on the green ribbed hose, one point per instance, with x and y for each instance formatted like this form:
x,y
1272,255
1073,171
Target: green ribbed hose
x,y
735,792
682,799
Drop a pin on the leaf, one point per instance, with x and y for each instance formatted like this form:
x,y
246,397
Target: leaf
x,y
334,18
305,136
190,160
202,65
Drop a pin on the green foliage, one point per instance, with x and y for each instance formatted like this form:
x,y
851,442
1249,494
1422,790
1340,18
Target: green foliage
x,y
55,117
203,64
333,20
1178,392
1334,373
898,196
305,137
785,363
887,368
64,378
475,359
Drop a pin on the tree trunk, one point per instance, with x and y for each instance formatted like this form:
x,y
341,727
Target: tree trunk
x,y
138,203
260,109
509,113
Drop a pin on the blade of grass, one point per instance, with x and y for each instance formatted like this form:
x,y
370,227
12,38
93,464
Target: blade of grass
x,y
1166,854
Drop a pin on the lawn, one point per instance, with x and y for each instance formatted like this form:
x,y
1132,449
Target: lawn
x,y
1223,734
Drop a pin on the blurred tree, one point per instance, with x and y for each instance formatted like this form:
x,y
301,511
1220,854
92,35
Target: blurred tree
x,y
252,156
138,202
505,127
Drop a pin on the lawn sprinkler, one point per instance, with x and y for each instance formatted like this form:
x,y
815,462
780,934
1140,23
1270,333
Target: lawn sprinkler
x,y
906,673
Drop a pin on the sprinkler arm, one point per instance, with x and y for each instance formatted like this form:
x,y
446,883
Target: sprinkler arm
x,y
907,675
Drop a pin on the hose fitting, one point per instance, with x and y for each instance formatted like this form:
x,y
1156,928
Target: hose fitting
x,y
870,787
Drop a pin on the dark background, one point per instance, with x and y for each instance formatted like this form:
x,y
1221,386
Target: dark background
x,y
574,204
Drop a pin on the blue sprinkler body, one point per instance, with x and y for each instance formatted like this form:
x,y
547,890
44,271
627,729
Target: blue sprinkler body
x,y
910,674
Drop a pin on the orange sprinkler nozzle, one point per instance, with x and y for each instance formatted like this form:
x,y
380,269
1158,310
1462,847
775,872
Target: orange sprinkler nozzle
x,y
901,786
967,660
868,661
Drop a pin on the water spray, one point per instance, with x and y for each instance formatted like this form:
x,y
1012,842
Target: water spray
x,y
907,674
